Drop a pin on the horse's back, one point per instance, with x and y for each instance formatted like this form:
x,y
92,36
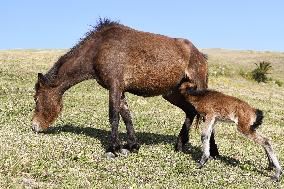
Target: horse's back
x,y
144,63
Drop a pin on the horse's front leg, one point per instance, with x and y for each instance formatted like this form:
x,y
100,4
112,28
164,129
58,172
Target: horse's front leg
x,y
132,143
114,109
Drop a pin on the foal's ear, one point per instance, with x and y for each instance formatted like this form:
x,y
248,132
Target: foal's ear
x,y
41,79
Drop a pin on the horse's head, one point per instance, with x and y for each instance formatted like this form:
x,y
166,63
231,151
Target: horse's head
x,y
48,104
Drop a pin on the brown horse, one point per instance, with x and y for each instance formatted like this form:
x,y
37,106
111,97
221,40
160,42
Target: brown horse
x,y
122,60
216,106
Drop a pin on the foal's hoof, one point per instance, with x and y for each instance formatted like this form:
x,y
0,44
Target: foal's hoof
x,y
275,178
277,175
214,153
110,155
202,162
200,165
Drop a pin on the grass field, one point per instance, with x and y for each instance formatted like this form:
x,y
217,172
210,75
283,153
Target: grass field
x,y
72,154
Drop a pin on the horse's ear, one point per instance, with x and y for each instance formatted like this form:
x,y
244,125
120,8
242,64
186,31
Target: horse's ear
x,y
41,79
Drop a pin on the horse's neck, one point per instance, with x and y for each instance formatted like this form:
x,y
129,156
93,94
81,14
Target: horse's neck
x,y
72,72
194,100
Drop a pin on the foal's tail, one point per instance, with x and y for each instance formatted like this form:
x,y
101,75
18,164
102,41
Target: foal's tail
x,y
258,120
198,119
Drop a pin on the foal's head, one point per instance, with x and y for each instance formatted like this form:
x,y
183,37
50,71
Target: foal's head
x,y
48,104
187,86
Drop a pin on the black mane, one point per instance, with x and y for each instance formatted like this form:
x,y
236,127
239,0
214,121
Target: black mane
x,y
201,92
101,24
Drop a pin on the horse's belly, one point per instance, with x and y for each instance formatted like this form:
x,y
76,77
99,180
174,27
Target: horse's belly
x,y
152,82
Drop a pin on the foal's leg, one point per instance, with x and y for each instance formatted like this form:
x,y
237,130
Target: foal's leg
x,y
114,109
205,136
270,163
213,146
132,144
178,100
272,159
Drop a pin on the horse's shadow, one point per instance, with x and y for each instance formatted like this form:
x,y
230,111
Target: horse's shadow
x,y
145,138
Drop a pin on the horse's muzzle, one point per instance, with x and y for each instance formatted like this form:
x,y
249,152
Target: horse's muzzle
x,y
37,128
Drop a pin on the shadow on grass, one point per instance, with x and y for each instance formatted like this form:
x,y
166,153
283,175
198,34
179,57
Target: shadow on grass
x,y
103,135
147,138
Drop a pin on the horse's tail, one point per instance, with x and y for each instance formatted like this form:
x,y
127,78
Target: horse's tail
x,y
197,121
258,120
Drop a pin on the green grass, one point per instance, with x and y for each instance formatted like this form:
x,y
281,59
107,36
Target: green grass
x,y
72,155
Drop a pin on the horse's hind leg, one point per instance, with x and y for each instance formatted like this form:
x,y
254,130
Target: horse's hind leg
x,y
183,136
272,159
132,144
114,109
178,100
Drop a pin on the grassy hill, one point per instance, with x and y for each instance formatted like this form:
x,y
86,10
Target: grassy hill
x,y
72,155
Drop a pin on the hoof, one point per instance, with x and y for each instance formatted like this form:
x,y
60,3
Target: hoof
x,y
110,155
214,156
179,147
277,175
202,161
214,152
200,165
275,178
124,152
132,147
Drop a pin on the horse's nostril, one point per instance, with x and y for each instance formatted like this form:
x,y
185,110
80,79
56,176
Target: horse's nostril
x,y
36,128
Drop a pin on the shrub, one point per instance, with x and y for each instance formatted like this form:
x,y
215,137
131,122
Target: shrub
x,y
259,74
279,83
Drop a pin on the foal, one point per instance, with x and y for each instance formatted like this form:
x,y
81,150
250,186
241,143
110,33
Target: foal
x,y
216,106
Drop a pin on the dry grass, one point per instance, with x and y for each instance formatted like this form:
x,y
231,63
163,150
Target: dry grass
x,y
71,156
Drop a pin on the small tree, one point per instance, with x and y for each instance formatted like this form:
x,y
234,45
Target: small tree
x,y
259,74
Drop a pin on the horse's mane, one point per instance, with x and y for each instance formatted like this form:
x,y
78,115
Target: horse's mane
x,y
102,23
205,56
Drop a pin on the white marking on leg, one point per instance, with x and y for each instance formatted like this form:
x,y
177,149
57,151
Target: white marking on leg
x,y
233,117
206,133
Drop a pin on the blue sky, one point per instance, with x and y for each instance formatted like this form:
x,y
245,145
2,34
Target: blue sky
x,y
239,24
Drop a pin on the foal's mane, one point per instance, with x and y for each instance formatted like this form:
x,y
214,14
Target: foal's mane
x,y
102,23
201,92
